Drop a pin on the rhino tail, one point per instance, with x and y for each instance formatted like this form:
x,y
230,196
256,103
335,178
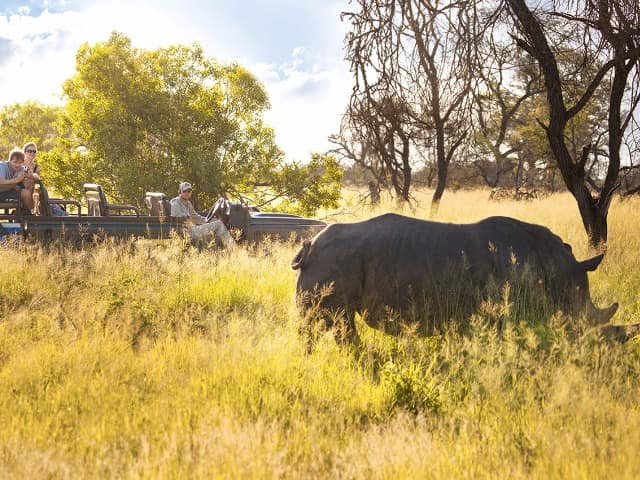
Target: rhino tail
x,y
591,264
298,261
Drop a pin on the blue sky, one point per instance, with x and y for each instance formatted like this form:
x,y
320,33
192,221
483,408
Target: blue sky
x,y
293,47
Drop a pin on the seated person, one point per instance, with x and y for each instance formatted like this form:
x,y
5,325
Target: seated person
x,y
30,150
199,229
12,174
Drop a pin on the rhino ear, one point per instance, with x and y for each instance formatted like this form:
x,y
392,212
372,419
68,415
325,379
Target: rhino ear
x,y
591,264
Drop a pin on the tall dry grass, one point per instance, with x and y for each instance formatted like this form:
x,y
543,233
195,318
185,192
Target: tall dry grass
x,y
160,361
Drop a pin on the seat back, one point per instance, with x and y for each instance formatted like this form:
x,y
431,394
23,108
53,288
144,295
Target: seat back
x,y
43,207
48,206
158,204
96,200
7,206
239,216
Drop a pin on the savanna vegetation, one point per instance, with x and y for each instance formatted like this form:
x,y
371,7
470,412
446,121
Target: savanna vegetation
x,y
142,360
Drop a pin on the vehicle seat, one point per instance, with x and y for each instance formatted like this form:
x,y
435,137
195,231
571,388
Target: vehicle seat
x,y
8,206
44,202
158,204
239,216
97,205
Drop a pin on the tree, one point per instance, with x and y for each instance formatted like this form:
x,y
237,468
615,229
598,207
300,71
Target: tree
x,y
28,122
416,52
609,35
505,82
138,120
304,187
377,135
631,173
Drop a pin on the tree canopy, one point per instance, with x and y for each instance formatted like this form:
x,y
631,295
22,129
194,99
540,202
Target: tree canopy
x,y
140,120
28,122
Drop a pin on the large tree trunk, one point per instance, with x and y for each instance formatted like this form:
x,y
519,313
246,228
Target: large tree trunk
x,y
406,168
443,168
594,216
593,206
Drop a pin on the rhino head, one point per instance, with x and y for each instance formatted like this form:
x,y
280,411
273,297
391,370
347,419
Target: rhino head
x,y
596,315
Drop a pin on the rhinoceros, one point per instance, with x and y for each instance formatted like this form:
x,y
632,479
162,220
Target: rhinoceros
x,y
394,263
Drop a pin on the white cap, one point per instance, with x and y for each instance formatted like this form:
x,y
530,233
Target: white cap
x,y
184,186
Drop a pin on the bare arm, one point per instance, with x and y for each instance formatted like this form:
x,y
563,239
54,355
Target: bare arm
x,y
195,216
33,171
13,181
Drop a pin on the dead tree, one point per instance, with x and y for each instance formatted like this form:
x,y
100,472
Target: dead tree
x,y
498,97
376,134
416,52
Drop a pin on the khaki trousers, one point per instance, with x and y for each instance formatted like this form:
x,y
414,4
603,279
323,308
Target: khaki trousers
x,y
214,230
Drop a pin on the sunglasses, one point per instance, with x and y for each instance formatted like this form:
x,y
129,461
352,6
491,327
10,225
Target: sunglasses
x,y
31,151
186,190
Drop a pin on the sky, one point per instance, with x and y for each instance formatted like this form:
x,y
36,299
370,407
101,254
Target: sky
x,y
293,46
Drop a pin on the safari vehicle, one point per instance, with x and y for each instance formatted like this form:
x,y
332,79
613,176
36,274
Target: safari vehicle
x,y
249,224
122,221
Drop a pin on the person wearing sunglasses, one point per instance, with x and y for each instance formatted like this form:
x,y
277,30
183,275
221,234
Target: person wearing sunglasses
x,y
30,150
12,175
199,229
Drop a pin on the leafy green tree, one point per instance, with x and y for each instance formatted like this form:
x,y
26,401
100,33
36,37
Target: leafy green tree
x,y
28,122
139,120
306,187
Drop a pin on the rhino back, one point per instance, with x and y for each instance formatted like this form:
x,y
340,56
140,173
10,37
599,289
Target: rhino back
x,y
379,262
392,260
518,243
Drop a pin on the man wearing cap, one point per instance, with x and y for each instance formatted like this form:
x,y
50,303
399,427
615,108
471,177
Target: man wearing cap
x,y
199,229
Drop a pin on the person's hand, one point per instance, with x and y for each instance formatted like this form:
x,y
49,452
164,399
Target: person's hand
x,y
21,176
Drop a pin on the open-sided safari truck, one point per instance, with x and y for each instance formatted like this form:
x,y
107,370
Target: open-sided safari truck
x,y
123,221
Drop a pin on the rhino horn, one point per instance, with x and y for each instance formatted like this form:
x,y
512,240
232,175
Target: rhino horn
x,y
591,264
621,333
603,315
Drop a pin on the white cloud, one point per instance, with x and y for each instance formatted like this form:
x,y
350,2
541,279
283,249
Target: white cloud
x,y
307,103
44,48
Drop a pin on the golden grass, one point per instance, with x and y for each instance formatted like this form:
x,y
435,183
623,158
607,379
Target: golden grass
x,y
161,361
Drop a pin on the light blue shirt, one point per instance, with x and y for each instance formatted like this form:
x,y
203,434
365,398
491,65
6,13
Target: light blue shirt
x,y
8,174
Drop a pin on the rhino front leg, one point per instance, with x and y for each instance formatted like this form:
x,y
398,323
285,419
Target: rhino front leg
x,y
316,323
344,330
